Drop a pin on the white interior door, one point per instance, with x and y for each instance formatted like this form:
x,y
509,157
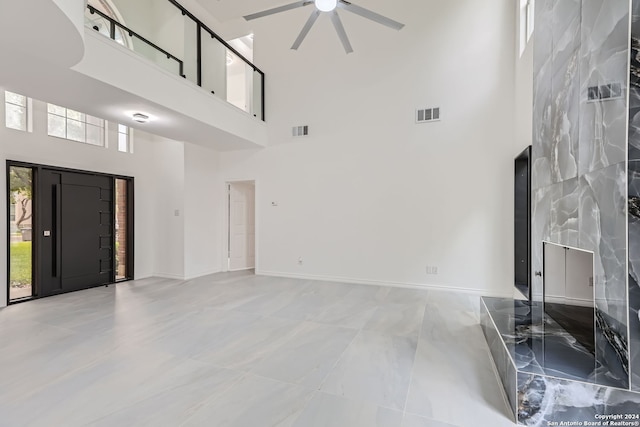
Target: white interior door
x,y
242,233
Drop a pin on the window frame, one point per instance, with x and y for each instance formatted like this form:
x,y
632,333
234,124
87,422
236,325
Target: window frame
x,y
85,120
128,138
27,111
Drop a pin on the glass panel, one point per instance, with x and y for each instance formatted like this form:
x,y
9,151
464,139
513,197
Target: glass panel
x,y
121,229
97,22
238,78
56,126
123,142
20,233
123,128
190,56
14,98
55,109
257,95
16,117
95,121
94,135
214,66
76,131
75,115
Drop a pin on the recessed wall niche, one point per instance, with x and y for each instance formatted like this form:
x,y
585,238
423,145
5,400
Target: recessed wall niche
x,y
568,292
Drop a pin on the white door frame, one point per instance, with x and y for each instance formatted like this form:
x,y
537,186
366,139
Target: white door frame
x,y
225,219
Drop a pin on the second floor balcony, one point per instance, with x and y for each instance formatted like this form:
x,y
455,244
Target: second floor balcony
x,y
174,39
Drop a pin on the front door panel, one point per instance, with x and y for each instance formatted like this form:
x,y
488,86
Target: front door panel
x,y
79,251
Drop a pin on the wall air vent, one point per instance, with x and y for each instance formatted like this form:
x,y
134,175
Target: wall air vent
x,y
299,131
605,92
424,115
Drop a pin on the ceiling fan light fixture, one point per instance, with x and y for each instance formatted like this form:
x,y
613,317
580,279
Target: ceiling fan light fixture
x,y
326,5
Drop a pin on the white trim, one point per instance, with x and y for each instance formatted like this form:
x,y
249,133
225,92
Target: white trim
x,y
408,285
166,276
203,274
225,223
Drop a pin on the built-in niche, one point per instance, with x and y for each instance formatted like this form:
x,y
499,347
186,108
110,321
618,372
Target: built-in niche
x,y
568,291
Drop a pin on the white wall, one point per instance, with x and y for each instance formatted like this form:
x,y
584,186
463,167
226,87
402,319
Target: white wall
x,y
168,213
154,164
204,200
370,196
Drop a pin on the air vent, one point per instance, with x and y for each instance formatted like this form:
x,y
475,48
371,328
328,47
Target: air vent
x,y
299,131
604,92
424,115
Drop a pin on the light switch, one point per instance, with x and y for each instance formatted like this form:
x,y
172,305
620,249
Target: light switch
x,y
176,212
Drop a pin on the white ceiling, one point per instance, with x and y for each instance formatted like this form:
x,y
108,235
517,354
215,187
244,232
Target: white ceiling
x,y
225,10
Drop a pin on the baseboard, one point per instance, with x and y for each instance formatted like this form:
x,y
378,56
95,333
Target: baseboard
x,y
206,273
167,276
406,285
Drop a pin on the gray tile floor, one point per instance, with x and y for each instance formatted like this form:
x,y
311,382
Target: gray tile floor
x,y
248,351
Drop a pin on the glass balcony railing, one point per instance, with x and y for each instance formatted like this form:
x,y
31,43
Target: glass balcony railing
x,y
170,36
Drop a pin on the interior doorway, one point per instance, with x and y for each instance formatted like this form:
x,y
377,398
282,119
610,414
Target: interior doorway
x,y
241,230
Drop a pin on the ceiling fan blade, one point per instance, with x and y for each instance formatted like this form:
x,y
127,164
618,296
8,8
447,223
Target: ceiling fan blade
x,y
278,10
337,23
306,29
366,13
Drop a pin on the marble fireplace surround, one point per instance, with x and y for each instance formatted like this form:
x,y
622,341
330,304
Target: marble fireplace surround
x,y
547,376
580,189
585,194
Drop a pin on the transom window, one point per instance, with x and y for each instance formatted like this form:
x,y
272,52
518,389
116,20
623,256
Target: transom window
x,y
124,138
75,126
16,111
527,22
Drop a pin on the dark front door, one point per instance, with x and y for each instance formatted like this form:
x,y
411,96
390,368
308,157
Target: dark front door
x,y
76,224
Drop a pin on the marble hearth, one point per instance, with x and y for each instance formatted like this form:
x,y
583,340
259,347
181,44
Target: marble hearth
x,y
547,375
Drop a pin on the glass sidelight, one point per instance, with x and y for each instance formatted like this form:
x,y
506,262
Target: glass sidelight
x,y
122,229
20,232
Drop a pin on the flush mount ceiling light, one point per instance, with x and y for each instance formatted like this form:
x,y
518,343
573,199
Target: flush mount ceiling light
x,y
140,118
328,6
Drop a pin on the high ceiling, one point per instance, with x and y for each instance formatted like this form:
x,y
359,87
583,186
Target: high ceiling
x,y
225,10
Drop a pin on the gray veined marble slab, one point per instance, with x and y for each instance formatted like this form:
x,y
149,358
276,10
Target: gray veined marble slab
x,y
543,201
416,421
604,56
565,90
564,221
454,301
603,229
109,384
249,346
468,375
442,323
174,405
307,356
406,296
216,329
375,368
397,319
344,310
135,363
326,410
541,166
253,401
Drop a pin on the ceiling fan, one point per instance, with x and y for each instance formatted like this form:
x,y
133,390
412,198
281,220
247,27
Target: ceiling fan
x,y
328,6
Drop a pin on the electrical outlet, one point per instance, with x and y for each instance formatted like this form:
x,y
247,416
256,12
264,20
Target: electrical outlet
x,y
432,269
300,261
